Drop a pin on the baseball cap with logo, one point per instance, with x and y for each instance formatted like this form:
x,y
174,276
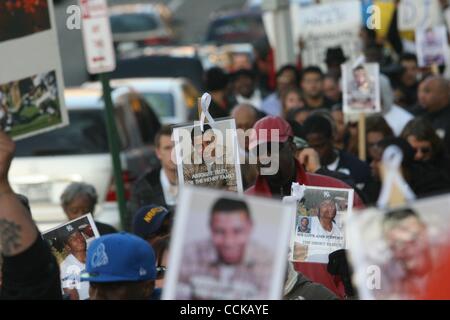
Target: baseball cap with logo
x,y
148,220
119,257
270,129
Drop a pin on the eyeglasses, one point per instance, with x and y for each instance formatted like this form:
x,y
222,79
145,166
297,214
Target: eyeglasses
x,y
160,271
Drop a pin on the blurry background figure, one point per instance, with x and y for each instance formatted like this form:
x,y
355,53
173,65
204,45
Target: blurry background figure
x,y
332,89
319,134
334,58
79,199
311,84
434,101
287,77
245,89
424,180
152,223
428,147
377,129
408,82
240,61
341,133
245,116
216,83
264,65
291,99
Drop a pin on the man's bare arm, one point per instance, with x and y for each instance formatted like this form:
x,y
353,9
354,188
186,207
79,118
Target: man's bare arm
x,y
17,229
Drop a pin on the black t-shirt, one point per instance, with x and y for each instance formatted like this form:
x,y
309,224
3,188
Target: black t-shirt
x,y
33,274
104,228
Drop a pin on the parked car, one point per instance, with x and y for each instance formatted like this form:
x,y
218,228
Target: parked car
x,y
45,164
140,24
160,66
235,27
171,99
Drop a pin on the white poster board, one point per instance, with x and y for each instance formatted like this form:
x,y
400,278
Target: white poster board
x,y
413,14
334,24
432,46
31,81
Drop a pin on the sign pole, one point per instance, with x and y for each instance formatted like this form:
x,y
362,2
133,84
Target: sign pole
x,y
114,148
100,59
362,136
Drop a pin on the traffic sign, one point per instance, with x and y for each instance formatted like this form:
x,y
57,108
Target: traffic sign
x,y
97,37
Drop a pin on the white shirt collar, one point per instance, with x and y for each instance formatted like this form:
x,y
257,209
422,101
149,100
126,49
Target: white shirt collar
x,y
170,191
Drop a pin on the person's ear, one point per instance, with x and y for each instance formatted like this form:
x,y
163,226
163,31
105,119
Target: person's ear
x,y
158,153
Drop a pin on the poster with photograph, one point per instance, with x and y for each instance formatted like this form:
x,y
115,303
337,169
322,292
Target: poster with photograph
x,y
21,18
227,247
432,46
361,88
31,83
319,223
328,25
208,158
69,243
413,14
394,252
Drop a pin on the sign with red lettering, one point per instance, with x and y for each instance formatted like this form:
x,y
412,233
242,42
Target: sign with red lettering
x,y
97,38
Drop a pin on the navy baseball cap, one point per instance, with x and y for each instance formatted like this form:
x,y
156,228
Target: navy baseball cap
x,y
148,220
119,257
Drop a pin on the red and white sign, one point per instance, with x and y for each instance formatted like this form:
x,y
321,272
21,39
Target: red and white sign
x,y
97,37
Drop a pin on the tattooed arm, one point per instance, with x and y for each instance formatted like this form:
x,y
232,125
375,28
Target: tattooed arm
x,y
17,229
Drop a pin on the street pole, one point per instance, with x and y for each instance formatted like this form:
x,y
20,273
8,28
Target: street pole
x,y
114,148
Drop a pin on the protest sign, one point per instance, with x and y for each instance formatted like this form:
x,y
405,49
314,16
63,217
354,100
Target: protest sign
x,y
361,88
69,243
31,83
324,26
208,157
413,14
319,223
394,251
227,246
432,46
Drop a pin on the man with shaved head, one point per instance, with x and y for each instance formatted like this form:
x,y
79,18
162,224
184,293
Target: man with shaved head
x,y
246,116
434,98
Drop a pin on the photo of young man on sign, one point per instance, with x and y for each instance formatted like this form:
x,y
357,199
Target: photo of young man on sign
x,y
319,225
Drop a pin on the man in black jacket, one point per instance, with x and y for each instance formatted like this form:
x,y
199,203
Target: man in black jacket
x,y
158,186
434,98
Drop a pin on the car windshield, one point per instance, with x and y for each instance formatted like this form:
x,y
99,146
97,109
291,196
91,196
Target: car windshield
x,y
133,22
86,134
236,29
162,103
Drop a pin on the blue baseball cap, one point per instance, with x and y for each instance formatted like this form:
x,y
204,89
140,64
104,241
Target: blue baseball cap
x,y
119,257
148,220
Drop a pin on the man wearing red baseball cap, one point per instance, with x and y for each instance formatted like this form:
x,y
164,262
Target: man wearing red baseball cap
x,y
272,144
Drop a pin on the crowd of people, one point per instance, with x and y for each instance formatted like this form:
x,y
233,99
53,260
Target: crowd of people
x,y
318,146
